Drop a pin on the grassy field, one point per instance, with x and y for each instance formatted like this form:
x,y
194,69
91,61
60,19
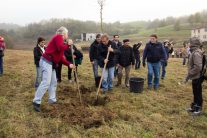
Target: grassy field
x,y
163,33
125,115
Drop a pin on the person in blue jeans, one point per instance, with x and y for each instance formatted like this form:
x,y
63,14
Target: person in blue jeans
x,y
154,52
93,55
108,74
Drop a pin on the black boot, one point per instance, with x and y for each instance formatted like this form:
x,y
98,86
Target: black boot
x,y
36,107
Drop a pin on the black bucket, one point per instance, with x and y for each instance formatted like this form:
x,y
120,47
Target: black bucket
x,y
136,84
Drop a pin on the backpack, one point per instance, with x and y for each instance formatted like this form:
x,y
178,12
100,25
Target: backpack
x,y
204,66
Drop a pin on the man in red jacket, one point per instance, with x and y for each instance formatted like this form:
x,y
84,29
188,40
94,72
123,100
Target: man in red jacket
x,y
54,54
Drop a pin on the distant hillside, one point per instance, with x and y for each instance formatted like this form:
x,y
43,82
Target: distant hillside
x,y
173,28
8,27
167,32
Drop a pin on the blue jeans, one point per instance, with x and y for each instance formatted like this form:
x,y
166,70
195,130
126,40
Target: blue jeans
x,y
153,69
38,77
108,77
95,68
1,66
49,82
163,64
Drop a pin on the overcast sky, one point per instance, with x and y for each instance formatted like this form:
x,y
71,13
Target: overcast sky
x,y
26,11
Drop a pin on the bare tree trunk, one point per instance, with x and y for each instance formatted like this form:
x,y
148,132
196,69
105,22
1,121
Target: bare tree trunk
x,y
101,4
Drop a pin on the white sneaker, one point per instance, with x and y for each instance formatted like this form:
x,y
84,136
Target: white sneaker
x,y
197,112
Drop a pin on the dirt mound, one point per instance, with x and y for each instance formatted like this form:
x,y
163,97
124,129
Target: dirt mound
x,y
75,113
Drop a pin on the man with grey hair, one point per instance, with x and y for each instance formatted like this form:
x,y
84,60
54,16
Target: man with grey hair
x,y
194,73
54,54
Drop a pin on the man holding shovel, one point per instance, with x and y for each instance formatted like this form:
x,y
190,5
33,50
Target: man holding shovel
x,y
106,46
54,54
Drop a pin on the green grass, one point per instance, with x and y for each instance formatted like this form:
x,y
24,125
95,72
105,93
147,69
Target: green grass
x,y
163,33
148,114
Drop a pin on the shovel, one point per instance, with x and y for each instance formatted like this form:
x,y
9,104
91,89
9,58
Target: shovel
x,y
76,76
104,69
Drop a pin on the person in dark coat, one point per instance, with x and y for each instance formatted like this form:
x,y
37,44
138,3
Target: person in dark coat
x,y
39,49
78,57
137,54
103,49
164,62
93,55
125,61
118,44
154,52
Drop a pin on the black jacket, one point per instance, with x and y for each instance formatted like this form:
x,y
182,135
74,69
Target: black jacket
x,y
102,53
37,55
77,53
136,50
119,44
93,53
126,56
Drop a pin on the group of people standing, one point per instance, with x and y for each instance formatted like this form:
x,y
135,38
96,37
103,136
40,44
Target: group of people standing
x,y
124,57
121,56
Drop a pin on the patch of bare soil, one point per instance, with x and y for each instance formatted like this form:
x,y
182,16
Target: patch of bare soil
x,y
75,113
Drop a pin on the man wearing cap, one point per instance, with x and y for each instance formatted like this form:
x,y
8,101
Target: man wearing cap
x,y
125,61
2,48
154,52
54,54
106,46
194,74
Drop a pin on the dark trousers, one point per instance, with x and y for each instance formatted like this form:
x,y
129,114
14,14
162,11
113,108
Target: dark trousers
x,y
184,60
137,62
197,91
70,73
58,72
1,65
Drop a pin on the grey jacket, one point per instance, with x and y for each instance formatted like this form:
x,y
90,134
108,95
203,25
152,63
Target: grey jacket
x,y
195,64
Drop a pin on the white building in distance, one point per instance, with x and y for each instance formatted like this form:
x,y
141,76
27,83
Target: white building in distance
x,y
201,33
88,36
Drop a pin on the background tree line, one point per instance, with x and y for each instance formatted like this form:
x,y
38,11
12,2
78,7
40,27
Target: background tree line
x,y
46,28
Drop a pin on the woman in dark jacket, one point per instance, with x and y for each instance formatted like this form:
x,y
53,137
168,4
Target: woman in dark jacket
x,y
78,57
38,51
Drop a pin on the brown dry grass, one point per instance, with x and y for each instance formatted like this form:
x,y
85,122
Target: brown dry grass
x,y
149,114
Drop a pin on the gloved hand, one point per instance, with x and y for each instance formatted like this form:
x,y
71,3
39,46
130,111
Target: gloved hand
x,y
186,79
166,63
144,64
